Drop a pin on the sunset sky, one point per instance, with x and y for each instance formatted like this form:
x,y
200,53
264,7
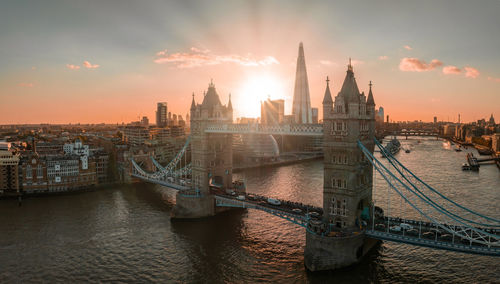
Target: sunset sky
x,y
112,61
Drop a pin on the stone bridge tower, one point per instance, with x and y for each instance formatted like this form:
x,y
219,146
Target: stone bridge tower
x,y
211,155
347,186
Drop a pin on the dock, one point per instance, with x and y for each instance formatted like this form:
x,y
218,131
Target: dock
x,y
473,162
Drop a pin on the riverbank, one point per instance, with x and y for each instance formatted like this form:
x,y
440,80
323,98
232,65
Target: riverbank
x,y
482,150
40,193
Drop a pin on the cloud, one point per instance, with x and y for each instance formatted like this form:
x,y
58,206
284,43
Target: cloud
x,y
417,65
408,47
26,85
88,65
355,62
33,67
471,72
326,62
451,70
196,57
383,57
494,79
72,67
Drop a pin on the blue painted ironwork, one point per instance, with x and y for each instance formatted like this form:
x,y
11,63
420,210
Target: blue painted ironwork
x,y
474,235
404,172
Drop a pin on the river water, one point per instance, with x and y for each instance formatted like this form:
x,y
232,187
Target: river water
x,y
125,234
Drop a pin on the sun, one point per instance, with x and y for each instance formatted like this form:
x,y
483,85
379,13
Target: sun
x,y
255,89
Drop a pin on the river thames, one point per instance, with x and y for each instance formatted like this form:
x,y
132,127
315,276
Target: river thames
x,y
125,234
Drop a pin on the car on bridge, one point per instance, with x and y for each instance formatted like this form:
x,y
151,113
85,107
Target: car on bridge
x,y
240,197
396,229
296,210
273,201
405,226
412,232
251,197
380,227
314,214
429,235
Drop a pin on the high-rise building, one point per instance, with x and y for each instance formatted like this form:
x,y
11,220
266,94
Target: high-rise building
x,y
145,121
135,134
161,114
174,119
315,115
380,114
435,119
272,112
301,98
492,120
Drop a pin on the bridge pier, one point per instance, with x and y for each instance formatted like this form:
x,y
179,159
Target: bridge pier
x,y
193,206
329,253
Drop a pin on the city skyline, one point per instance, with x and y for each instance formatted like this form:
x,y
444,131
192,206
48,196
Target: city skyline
x,y
73,62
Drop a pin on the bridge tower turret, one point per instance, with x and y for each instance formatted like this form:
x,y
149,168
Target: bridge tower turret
x,y
347,185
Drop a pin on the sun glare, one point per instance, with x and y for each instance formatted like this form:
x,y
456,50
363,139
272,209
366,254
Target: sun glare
x,y
256,89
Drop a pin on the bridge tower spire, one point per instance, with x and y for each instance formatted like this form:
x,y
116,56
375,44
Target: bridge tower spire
x,y
327,100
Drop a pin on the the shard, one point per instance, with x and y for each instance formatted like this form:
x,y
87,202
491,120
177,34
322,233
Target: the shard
x,y
301,99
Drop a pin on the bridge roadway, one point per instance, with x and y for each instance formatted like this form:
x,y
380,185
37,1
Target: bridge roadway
x,y
423,234
295,212
426,234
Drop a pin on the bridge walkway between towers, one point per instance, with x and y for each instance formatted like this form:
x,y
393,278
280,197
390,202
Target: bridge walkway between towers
x,y
284,129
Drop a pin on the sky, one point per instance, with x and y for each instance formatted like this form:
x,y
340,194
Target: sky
x,y
112,61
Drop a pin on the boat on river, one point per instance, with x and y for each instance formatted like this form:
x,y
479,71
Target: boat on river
x,y
392,147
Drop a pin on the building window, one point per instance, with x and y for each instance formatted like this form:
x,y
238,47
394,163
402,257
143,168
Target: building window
x,y
344,205
338,126
39,171
29,171
333,207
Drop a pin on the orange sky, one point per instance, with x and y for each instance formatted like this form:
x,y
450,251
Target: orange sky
x,y
112,64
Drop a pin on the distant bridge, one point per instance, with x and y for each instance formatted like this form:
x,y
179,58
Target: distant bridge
x,y
408,133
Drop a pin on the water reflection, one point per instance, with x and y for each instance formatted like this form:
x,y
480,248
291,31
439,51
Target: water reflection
x,y
125,234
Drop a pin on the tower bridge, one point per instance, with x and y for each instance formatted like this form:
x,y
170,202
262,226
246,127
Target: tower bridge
x,y
349,222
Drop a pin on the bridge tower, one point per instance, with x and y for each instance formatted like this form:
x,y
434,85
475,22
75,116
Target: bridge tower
x,y
211,155
347,185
